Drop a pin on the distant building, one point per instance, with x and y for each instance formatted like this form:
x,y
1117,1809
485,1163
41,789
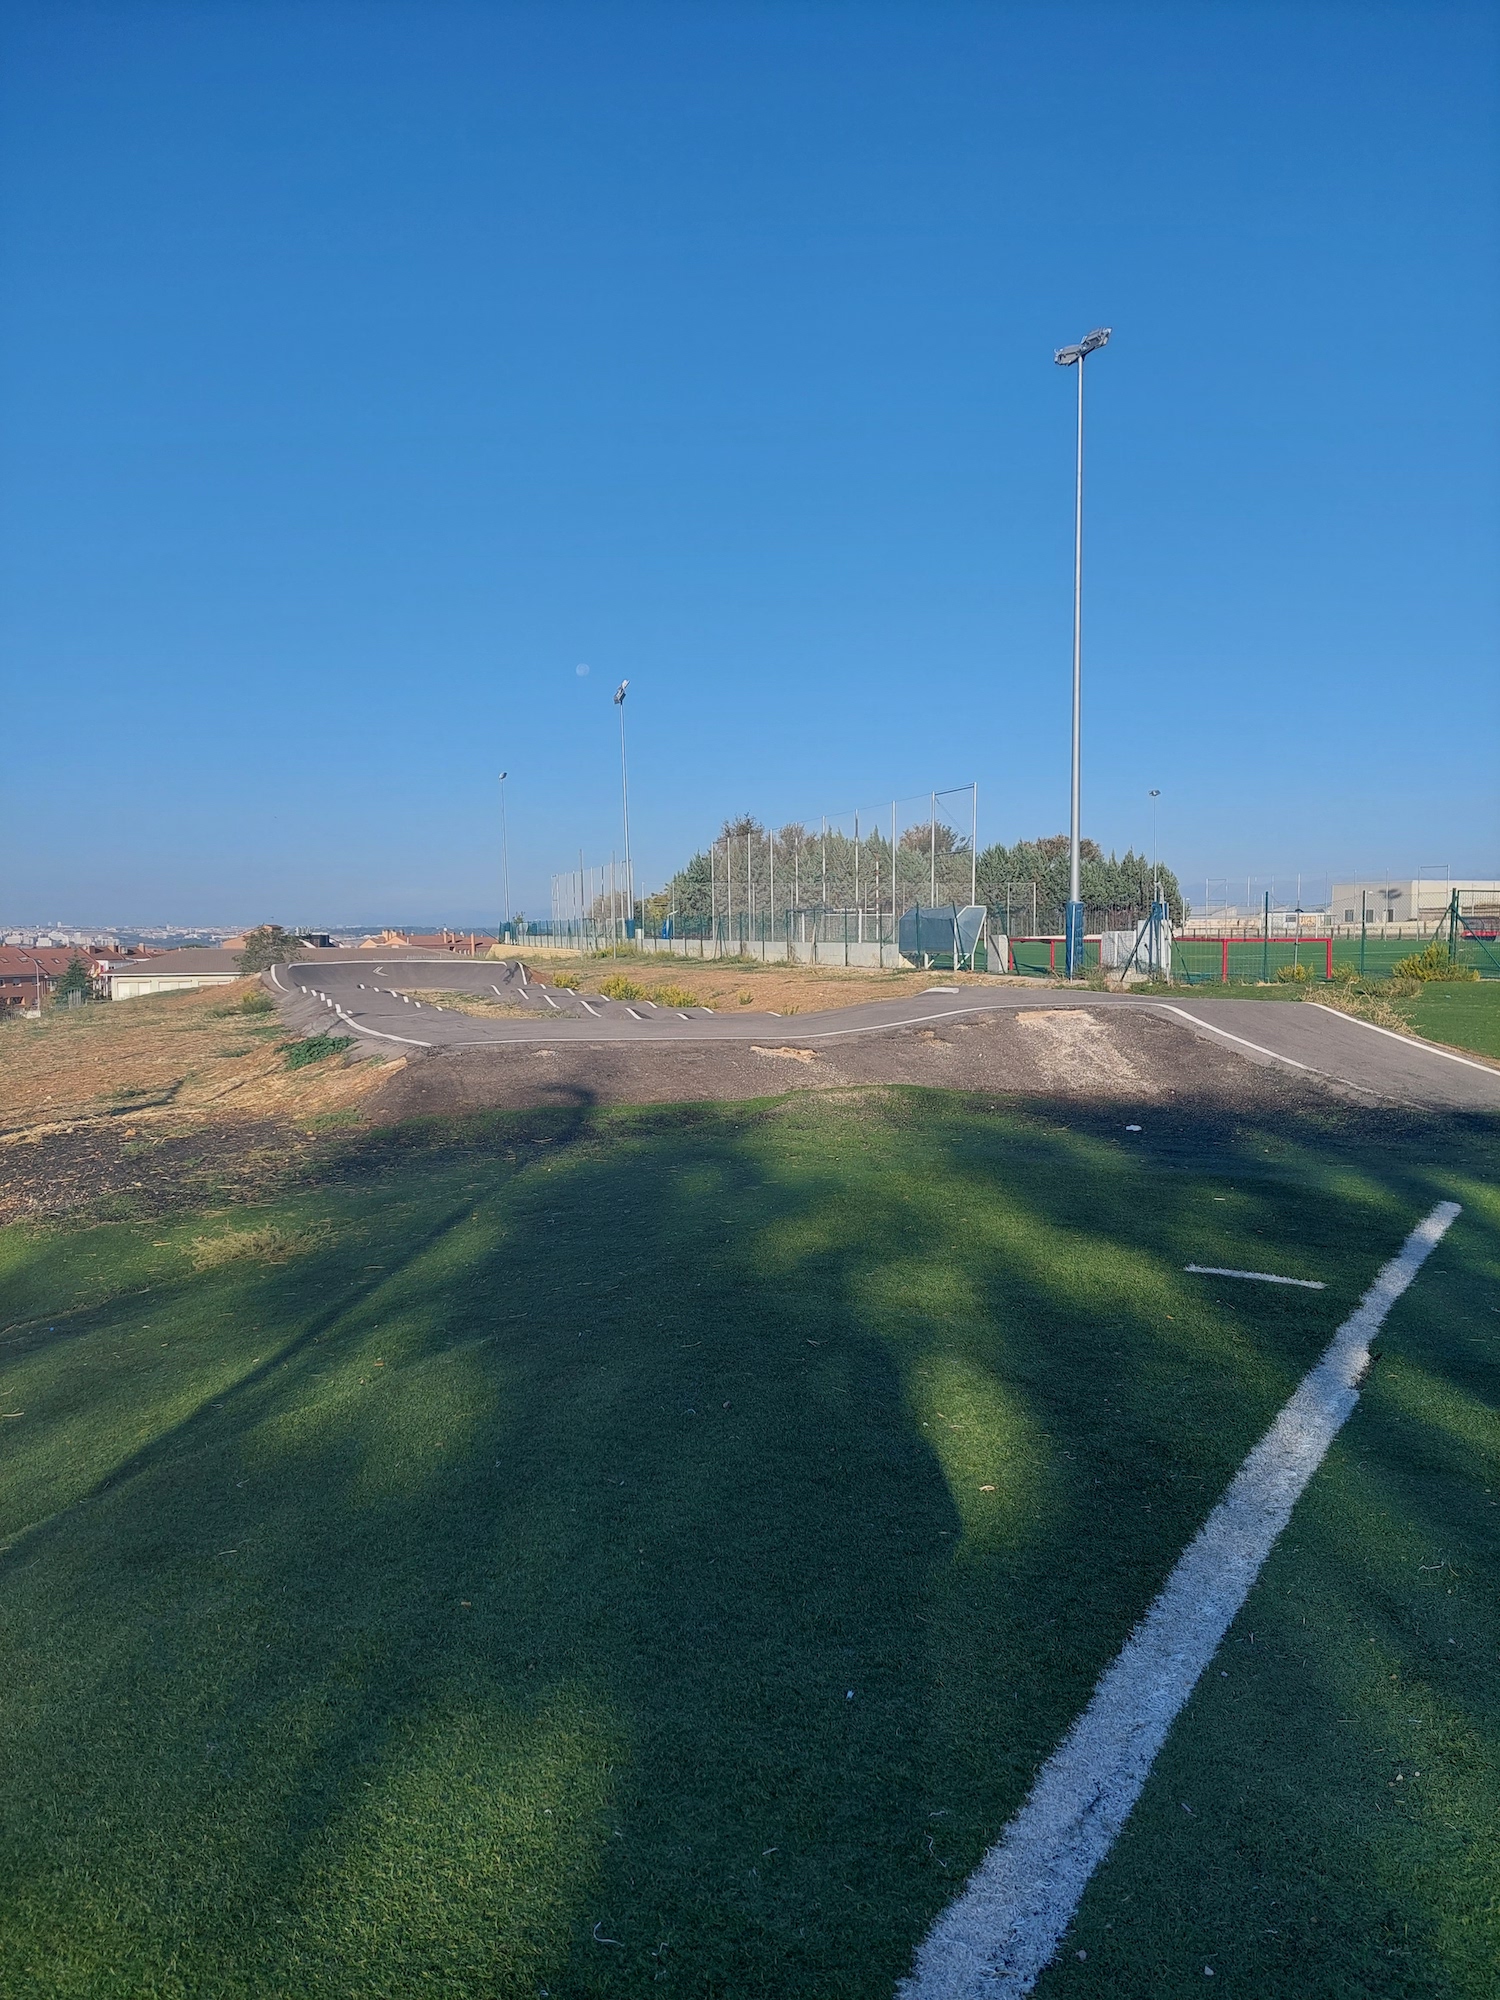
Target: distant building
x,y
1383,901
472,944
28,973
172,972
317,940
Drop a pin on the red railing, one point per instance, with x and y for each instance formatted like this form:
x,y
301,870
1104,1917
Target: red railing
x,y
1223,943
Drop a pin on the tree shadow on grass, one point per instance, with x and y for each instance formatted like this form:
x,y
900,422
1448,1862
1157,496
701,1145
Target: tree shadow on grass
x,y
609,1592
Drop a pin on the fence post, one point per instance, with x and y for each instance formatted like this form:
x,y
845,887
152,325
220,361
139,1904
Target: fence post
x,y
1328,968
1224,962
1265,949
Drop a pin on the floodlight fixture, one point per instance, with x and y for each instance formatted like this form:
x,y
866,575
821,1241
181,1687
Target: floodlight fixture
x,y
1066,356
620,693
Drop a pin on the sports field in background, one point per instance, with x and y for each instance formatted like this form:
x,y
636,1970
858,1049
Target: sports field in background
x,y
653,1551
1200,961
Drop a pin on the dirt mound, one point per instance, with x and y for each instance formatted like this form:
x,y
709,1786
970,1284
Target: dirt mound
x,y
1124,1056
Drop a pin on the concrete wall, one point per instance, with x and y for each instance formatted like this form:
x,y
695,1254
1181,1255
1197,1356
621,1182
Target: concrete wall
x,y
137,985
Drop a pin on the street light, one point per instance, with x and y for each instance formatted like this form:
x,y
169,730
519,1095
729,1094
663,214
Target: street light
x,y
625,795
1155,873
504,848
1068,357
37,963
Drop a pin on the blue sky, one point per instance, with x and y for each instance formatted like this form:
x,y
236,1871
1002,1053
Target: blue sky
x,y
366,369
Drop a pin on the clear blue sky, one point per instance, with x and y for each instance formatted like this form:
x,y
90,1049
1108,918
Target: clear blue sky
x,y
366,368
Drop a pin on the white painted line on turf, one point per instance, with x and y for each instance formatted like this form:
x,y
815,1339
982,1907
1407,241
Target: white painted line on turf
x,y
1260,1277
1408,1041
993,1942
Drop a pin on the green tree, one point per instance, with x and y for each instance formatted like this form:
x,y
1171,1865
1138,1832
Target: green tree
x,y
269,945
1112,885
76,979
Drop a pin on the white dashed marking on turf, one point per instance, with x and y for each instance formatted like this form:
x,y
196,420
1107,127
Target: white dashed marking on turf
x,y
1260,1277
993,1942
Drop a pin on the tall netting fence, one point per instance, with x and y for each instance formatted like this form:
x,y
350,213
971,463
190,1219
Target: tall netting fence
x,y
839,884
593,908
904,882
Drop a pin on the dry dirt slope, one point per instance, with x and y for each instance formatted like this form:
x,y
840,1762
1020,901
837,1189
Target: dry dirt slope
x,y
177,1059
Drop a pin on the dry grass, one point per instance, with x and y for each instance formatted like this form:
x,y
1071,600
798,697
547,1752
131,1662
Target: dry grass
x,y
486,1005
777,989
1368,1006
174,1060
270,1243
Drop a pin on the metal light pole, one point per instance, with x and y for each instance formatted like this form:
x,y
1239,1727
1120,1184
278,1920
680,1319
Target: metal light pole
x,y
1069,357
505,848
625,797
1155,871
1157,895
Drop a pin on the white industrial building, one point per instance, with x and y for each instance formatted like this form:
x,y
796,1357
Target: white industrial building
x,y
1379,900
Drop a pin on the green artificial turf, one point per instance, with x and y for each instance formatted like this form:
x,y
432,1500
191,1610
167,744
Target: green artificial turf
x,y
598,1553
1466,1016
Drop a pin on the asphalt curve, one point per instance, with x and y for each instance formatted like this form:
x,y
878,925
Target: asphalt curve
x,y
371,997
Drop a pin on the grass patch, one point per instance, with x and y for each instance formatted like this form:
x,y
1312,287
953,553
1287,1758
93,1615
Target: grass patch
x,y
1466,1017
314,1048
675,996
256,1004
528,1558
1458,1014
268,1243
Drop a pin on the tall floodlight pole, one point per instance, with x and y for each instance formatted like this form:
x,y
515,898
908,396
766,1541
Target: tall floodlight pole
x,y
975,849
625,799
1155,871
895,915
504,848
1070,357
1157,895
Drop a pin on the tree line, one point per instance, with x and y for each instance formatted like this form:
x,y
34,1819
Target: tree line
x,y
755,873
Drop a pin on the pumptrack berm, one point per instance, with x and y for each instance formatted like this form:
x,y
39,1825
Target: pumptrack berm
x,y
1003,1037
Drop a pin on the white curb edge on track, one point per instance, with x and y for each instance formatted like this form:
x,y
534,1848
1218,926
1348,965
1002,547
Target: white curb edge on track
x,y
994,1941
1410,1041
